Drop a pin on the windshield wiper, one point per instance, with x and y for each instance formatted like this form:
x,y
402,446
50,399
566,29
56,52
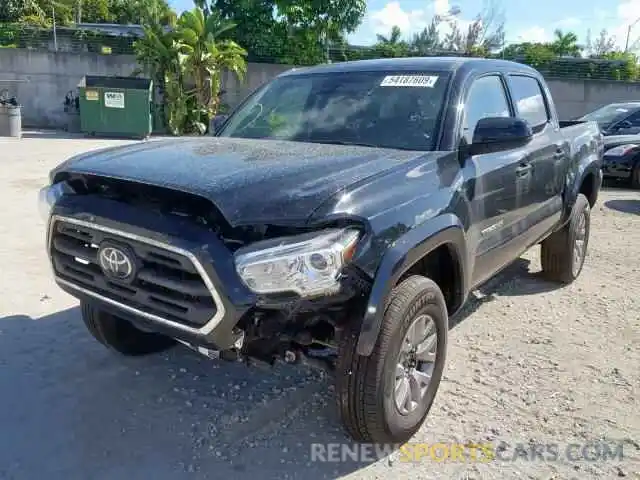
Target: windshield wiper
x,y
342,142
363,144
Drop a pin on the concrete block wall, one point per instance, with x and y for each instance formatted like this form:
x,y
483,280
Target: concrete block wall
x,y
574,98
40,80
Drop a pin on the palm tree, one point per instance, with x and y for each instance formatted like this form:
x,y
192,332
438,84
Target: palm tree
x,y
391,46
158,53
565,44
393,38
206,56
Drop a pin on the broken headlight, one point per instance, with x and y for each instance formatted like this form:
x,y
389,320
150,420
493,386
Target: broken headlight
x,y
308,264
49,195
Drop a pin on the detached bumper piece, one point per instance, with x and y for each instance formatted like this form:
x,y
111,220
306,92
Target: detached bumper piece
x,y
158,282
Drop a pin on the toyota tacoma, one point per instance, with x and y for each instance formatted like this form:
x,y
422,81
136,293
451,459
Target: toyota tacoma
x,y
341,214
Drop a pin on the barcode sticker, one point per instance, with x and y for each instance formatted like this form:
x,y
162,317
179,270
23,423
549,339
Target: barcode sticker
x,y
424,81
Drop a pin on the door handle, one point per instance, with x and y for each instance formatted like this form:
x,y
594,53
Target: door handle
x,y
523,169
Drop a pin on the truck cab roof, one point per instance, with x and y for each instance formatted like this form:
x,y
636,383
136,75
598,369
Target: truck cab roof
x,y
440,64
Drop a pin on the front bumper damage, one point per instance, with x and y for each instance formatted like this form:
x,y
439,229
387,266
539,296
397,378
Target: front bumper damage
x,y
185,285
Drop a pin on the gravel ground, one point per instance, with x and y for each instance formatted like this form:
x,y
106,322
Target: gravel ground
x,y
527,362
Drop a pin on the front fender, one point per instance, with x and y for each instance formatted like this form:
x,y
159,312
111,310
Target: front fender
x,y
406,251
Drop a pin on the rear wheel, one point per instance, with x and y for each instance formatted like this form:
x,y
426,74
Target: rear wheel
x,y
564,252
385,397
120,335
635,175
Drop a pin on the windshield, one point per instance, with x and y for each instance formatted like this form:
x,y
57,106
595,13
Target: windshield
x,y
609,113
379,109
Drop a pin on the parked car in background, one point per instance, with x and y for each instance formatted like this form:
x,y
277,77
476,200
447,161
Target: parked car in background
x,y
622,158
616,118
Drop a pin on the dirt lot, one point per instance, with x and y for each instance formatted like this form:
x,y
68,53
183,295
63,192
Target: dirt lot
x,y
528,362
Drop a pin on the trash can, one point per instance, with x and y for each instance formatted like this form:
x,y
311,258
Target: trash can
x,y
116,106
10,120
4,120
14,114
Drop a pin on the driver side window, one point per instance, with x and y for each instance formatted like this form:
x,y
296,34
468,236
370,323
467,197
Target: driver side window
x,y
486,98
631,122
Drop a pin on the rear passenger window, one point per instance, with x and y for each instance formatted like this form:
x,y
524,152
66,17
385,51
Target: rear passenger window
x,y
486,98
529,100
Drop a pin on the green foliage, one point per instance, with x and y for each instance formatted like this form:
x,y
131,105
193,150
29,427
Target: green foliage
x,y
40,12
555,59
187,64
301,32
206,56
565,44
12,10
392,45
141,12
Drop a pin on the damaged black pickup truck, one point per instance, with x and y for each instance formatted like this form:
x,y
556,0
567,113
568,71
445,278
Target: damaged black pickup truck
x,y
342,213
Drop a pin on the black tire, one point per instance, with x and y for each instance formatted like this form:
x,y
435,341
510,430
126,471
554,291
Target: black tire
x,y
120,335
559,264
365,386
635,176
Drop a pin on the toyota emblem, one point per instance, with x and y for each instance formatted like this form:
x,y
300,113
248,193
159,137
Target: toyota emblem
x,y
115,263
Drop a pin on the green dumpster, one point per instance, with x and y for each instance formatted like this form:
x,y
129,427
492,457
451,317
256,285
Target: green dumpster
x,y
116,106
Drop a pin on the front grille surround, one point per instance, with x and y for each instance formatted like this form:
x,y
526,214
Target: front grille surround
x,y
189,263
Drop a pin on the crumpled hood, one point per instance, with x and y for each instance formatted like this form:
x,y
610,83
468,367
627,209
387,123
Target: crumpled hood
x,y
249,181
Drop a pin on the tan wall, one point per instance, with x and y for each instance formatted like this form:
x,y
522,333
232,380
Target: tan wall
x,y
41,80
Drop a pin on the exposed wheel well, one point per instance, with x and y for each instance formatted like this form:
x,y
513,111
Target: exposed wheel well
x,y
441,265
588,188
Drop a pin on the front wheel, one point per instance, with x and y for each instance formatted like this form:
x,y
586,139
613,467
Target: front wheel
x,y
385,397
120,335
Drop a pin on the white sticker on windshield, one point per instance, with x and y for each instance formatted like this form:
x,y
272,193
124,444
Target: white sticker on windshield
x,y
623,110
424,81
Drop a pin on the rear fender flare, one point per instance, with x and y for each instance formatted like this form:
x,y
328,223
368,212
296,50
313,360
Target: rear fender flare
x,y
584,170
407,250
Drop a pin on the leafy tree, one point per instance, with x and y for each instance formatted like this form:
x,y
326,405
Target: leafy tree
x,y
157,52
329,18
256,27
206,56
12,10
67,12
141,12
291,31
187,64
394,37
485,34
535,54
602,45
428,40
95,11
391,45
565,44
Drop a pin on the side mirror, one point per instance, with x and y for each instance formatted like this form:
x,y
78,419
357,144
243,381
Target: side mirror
x,y
216,123
496,134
